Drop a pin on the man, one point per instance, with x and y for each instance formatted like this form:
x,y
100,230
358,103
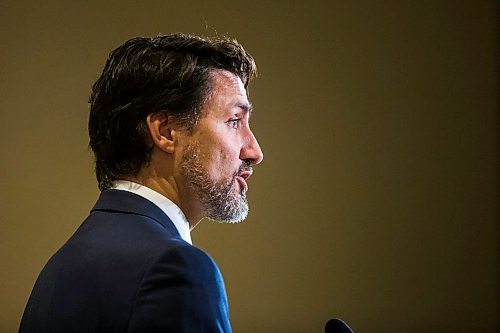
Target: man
x,y
169,128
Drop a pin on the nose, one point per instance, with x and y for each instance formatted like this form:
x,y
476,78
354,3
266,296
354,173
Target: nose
x,y
251,150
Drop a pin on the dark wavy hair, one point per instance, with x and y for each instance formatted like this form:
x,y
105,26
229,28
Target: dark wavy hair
x,y
169,73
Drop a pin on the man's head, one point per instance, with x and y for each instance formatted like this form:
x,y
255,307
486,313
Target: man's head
x,y
185,97
218,157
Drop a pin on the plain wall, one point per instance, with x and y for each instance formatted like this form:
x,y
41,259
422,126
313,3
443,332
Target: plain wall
x,y
377,201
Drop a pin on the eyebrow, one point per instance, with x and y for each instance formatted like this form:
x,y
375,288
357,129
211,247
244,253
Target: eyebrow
x,y
248,108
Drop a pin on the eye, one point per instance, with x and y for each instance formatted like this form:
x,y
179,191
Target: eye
x,y
234,123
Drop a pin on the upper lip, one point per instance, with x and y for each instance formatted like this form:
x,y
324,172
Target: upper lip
x,y
245,174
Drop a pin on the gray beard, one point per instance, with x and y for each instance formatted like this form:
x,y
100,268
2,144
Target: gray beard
x,y
218,198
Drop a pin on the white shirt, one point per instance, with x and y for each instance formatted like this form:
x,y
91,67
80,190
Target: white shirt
x,y
166,205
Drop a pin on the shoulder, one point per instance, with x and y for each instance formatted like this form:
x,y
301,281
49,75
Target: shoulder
x,y
182,260
182,291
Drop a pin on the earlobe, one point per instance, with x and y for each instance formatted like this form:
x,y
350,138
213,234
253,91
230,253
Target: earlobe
x,y
161,131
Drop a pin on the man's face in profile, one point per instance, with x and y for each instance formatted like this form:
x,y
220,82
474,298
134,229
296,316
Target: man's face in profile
x,y
218,156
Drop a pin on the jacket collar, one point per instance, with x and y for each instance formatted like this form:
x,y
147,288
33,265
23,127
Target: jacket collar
x,y
127,202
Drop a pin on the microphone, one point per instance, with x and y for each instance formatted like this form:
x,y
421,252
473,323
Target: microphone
x,y
337,326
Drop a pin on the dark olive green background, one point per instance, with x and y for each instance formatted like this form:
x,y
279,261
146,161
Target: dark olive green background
x,y
377,200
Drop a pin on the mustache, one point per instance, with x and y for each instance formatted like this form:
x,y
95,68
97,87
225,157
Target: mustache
x,y
245,166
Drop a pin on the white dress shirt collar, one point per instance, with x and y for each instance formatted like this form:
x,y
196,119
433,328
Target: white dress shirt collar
x,y
166,205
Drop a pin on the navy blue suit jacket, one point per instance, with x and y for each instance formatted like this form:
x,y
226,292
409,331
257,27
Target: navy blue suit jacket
x,y
126,269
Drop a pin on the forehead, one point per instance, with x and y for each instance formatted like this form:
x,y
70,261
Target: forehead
x,y
222,80
227,91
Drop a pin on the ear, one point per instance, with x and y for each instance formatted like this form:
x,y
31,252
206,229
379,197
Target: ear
x,y
161,130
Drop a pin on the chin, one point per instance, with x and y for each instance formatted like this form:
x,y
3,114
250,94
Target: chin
x,y
231,212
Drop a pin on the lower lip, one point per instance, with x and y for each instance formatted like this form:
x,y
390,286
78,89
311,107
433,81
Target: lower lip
x,y
243,184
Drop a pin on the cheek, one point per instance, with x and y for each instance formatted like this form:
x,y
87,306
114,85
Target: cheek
x,y
220,153
223,162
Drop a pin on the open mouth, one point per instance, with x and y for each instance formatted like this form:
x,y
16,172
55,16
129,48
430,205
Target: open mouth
x,y
242,180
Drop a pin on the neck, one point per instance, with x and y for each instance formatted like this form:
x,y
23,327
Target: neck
x,y
168,187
